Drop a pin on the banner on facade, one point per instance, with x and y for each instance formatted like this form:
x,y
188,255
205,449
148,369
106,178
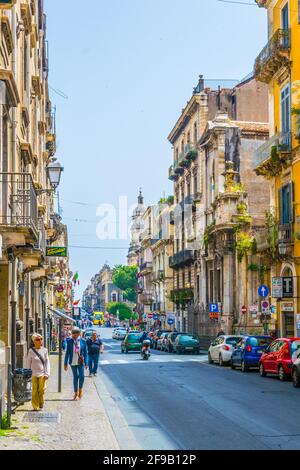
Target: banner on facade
x,y
57,251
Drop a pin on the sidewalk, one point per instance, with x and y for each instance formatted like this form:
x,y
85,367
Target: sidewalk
x,y
82,425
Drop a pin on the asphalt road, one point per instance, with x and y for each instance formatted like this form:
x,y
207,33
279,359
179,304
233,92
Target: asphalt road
x,y
183,403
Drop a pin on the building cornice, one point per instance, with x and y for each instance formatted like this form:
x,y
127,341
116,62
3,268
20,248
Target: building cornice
x,y
185,117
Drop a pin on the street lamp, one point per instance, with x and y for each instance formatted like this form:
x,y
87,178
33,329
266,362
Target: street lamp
x,y
54,171
282,248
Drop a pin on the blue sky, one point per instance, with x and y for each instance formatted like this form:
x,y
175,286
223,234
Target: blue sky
x,y
128,67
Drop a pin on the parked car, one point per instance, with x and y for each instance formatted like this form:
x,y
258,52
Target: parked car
x,y
88,333
119,334
187,343
279,357
161,341
168,344
156,336
248,351
296,370
221,349
131,342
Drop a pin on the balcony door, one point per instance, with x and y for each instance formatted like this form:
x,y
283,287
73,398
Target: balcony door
x,y
285,24
285,111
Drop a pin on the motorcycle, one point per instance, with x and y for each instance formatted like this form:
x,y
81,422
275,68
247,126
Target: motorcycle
x,y
145,351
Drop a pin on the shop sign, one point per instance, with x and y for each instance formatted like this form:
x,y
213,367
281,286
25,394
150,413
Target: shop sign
x,y
287,306
287,287
253,309
58,251
277,287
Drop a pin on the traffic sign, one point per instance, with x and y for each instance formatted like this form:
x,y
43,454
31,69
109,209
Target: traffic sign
x,y
263,291
277,287
171,321
155,317
273,309
214,308
150,315
265,306
244,309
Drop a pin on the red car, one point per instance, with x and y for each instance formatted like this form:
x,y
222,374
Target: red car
x,y
278,358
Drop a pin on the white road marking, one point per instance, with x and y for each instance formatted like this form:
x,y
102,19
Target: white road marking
x,y
104,363
177,360
123,362
164,360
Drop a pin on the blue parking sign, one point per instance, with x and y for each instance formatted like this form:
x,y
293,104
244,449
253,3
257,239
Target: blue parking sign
x,y
213,308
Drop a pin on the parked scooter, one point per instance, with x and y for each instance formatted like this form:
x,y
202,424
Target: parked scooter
x,y
145,351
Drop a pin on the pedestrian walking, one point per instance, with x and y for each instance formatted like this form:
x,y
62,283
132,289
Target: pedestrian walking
x,y
76,357
94,347
38,362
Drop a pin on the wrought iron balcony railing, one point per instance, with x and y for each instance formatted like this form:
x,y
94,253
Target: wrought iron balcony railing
x,y
282,142
190,151
273,56
285,233
146,266
172,175
18,202
182,258
146,298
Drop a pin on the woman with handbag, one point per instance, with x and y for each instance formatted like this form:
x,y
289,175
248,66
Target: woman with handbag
x,y
76,357
38,362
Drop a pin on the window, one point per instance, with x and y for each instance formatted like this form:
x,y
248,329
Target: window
x,y
195,183
190,277
285,17
285,109
188,137
286,204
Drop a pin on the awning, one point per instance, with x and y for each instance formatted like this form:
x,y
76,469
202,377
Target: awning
x,y
61,315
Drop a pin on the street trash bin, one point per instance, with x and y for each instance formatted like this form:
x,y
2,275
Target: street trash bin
x,y
22,385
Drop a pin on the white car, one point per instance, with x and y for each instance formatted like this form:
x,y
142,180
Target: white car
x,y
119,333
221,349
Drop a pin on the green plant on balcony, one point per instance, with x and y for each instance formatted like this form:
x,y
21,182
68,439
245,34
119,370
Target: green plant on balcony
x,y
184,163
166,200
192,155
244,244
260,268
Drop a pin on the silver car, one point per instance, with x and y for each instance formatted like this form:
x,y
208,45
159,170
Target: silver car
x,y
221,349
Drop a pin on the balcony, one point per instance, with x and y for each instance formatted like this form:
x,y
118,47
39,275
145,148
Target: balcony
x,y
271,157
182,258
178,170
285,234
172,175
146,267
18,204
146,298
156,238
274,56
262,3
182,296
158,276
40,245
190,151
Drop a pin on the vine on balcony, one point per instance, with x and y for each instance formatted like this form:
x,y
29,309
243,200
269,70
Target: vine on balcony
x,y
272,229
244,244
272,167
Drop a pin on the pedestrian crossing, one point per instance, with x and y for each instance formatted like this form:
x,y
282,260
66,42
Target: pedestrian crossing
x,y
152,360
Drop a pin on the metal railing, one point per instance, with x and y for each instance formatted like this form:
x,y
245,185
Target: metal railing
x,y
182,258
282,142
146,266
285,233
18,201
189,149
146,298
280,41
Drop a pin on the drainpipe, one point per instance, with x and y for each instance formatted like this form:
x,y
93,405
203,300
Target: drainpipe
x,y
27,309
13,304
14,112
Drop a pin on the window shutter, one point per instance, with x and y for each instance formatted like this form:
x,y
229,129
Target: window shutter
x,y
292,209
280,204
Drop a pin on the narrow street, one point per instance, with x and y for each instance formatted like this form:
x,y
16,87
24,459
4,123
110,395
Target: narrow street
x,y
181,402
